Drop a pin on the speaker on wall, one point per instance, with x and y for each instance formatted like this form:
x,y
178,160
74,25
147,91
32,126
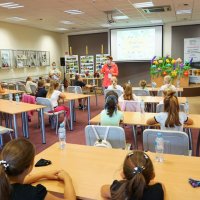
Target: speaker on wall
x,y
62,61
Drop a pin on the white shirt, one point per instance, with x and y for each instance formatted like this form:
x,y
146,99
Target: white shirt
x,y
118,87
54,98
55,74
28,86
168,86
162,117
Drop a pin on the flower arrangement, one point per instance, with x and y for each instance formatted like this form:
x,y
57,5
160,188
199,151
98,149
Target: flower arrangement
x,y
163,66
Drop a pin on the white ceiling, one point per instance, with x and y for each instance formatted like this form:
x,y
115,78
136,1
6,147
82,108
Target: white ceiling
x,y
47,14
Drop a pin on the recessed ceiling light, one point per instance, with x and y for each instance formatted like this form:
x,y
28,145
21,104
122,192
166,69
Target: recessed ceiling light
x,y
11,5
156,21
143,4
66,22
61,29
120,17
74,12
16,18
179,12
106,25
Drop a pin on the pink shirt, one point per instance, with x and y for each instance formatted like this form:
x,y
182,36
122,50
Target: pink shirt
x,y
113,71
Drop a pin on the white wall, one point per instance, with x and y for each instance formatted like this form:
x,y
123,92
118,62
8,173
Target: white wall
x,y
19,37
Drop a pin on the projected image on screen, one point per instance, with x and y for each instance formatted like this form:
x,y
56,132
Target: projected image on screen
x,y
136,44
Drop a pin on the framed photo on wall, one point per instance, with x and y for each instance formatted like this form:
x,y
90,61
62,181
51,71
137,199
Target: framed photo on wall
x,y
5,57
20,57
32,58
44,58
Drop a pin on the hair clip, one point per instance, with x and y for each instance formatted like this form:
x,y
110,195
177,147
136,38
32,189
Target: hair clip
x,y
138,170
145,155
4,164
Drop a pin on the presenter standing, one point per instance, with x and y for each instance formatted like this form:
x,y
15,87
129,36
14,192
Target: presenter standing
x,y
55,73
109,69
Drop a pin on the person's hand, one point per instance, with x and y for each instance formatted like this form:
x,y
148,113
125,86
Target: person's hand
x,y
63,175
52,175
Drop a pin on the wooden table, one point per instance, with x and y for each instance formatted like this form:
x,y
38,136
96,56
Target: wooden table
x,y
72,97
7,92
137,118
13,108
92,167
157,99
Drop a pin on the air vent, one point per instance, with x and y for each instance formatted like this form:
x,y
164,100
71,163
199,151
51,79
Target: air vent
x,y
156,9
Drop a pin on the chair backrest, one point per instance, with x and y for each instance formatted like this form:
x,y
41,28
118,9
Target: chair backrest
x,y
116,135
141,92
45,102
11,86
74,89
133,106
21,87
119,92
175,142
160,108
33,89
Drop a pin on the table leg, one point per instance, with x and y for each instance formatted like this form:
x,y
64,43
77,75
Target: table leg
x,y
88,106
23,124
71,114
26,124
15,125
135,136
95,91
42,126
198,144
74,111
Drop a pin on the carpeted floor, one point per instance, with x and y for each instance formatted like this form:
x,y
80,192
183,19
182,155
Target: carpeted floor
x,y
77,136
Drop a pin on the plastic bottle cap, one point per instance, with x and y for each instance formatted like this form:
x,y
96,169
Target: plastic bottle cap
x,y
159,134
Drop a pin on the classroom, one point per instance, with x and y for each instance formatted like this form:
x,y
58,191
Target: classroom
x,y
100,99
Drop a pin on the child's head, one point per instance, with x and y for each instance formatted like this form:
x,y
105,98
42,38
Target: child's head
x,y
54,85
143,84
128,92
28,79
138,171
167,79
171,106
17,157
111,102
114,82
77,76
53,64
41,83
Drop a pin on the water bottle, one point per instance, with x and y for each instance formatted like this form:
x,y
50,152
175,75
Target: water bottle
x,y
10,96
129,82
62,136
159,147
186,107
178,83
17,98
142,106
62,88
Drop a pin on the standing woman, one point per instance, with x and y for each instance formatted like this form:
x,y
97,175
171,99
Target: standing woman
x,y
109,69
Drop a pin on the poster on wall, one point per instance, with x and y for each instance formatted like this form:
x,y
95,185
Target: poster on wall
x,y
5,59
44,58
192,49
32,59
20,58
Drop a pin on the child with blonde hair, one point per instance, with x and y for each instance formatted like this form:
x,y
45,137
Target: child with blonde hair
x,y
114,85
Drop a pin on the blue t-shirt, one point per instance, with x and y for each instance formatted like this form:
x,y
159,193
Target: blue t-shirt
x,y
106,120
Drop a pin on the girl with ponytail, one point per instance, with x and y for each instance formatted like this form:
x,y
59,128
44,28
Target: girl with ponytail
x,y
16,162
137,184
171,118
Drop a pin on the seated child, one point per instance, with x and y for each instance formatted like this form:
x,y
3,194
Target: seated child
x,y
16,163
29,82
137,180
2,90
111,115
167,84
171,118
114,85
41,91
128,93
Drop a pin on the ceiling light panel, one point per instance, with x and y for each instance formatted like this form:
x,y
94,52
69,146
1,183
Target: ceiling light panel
x,y
11,5
180,12
143,4
16,19
74,12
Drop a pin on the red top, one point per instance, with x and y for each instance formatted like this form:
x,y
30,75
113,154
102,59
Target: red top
x,y
108,73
